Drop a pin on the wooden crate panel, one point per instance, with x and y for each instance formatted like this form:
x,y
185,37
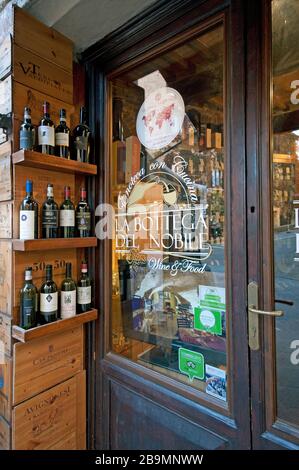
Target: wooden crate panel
x,y
39,74
16,134
25,96
40,181
44,362
5,56
6,129
5,149
6,219
31,34
5,434
6,96
5,334
5,110
38,261
6,377
5,172
5,277
50,419
67,443
6,21
5,408
81,411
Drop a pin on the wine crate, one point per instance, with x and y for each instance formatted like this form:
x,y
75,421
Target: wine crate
x,y
26,96
6,129
5,172
39,74
68,442
42,380
6,377
5,434
5,56
6,219
16,124
5,110
38,261
40,180
5,408
6,96
54,419
5,334
6,277
6,21
49,44
19,27
42,363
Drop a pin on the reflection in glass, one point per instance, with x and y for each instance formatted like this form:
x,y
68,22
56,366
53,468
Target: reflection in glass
x,y
285,168
167,157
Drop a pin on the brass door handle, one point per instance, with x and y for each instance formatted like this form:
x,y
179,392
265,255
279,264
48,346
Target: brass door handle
x,y
253,316
274,313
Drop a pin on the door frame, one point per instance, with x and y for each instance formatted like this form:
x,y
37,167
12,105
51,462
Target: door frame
x,y
267,431
153,29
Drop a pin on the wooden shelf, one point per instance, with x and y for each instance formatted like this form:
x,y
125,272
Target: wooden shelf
x,y
57,326
283,158
33,159
53,243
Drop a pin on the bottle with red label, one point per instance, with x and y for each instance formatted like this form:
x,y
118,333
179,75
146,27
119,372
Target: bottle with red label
x,y
84,290
83,216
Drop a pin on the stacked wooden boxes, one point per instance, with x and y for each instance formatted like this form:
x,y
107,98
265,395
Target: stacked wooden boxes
x,y
42,379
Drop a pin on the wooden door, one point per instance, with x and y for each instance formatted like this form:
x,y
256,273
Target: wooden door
x,y
272,155
168,107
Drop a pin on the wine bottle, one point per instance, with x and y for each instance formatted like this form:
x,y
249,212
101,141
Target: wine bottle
x,y
28,215
27,132
48,298
84,290
83,216
81,139
46,132
68,294
62,137
28,302
50,215
67,215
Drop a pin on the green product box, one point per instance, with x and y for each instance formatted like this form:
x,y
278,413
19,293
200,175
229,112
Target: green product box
x,y
208,316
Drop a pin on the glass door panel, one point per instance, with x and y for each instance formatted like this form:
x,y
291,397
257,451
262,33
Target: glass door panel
x,y
167,154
